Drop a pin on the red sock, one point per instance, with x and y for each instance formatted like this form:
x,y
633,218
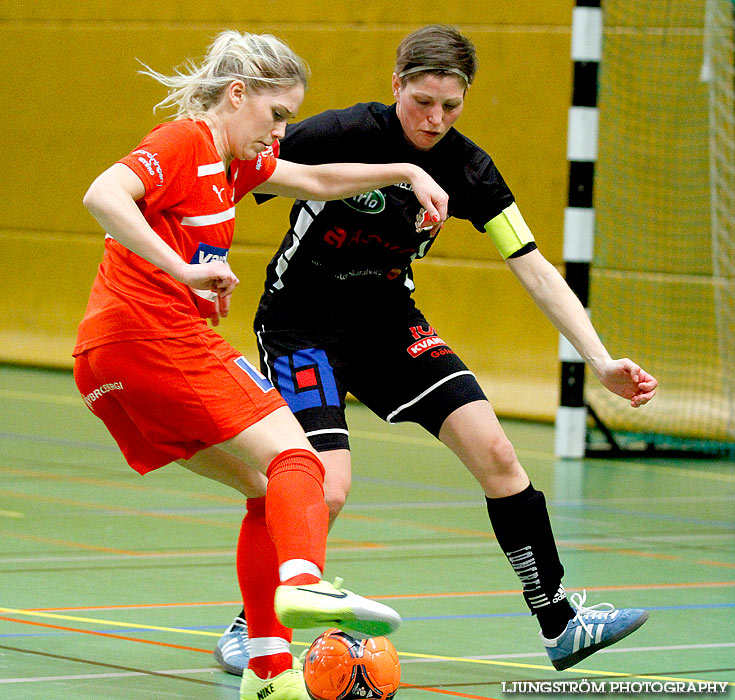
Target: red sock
x,y
297,516
257,573
270,666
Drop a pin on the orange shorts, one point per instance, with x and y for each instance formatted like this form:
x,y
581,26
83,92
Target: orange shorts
x,y
164,400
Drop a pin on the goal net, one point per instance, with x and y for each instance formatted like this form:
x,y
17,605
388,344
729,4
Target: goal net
x,y
662,286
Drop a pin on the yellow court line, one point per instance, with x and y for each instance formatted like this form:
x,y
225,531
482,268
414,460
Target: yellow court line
x,y
45,398
113,623
11,514
436,657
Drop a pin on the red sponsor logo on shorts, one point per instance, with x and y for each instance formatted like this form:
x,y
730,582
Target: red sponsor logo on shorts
x,y
421,346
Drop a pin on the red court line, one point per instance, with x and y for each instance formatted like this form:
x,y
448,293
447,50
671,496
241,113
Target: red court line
x,y
105,634
639,553
119,485
73,545
712,562
205,651
105,507
447,692
628,587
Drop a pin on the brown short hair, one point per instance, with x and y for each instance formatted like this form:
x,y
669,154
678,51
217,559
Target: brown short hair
x,y
439,47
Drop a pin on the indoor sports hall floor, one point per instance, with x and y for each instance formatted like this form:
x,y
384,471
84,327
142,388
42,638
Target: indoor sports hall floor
x,y
118,586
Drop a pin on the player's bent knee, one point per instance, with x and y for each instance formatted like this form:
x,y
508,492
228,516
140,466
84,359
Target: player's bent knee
x,y
503,454
335,501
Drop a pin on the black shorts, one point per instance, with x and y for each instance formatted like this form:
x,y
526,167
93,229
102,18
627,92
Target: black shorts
x,y
401,370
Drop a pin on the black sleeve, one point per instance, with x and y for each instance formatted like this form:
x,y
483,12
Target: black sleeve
x,y
487,195
312,141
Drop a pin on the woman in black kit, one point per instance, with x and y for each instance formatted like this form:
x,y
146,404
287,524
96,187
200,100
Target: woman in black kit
x,y
337,315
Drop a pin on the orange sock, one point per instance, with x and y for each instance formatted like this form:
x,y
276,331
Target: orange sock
x,y
257,573
296,514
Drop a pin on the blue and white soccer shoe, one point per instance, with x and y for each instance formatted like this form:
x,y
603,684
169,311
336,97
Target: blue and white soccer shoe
x,y
590,630
231,651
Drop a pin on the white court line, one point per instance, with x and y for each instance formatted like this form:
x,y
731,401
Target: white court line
x,y
609,650
458,594
488,657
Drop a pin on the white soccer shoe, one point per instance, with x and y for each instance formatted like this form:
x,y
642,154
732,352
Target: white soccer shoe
x,y
325,604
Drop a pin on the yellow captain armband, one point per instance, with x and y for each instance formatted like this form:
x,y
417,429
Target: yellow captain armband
x,y
509,231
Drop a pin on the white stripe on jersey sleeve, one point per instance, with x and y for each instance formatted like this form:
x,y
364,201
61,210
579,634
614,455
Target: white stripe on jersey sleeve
x,y
211,169
209,219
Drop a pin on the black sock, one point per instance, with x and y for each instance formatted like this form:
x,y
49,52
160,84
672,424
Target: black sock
x,y
523,530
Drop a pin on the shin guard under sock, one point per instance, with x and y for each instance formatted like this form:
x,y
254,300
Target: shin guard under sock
x,y
296,513
523,530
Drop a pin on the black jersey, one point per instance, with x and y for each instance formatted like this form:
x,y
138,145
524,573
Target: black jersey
x,y
351,258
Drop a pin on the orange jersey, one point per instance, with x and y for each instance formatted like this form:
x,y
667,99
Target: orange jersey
x,y
189,202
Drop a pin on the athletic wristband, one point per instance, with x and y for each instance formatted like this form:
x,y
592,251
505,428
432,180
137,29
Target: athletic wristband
x,y
509,231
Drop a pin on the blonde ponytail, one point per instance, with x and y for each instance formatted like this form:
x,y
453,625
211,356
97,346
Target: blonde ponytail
x,y
262,61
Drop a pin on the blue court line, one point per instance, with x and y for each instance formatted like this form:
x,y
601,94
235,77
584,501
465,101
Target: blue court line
x,y
423,618
526,614
610,510
414,486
